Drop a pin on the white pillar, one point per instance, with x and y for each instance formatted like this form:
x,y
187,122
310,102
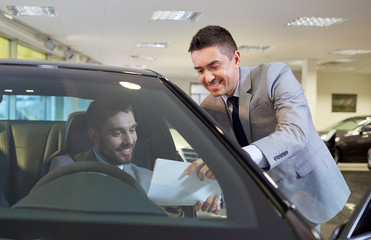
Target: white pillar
x,y
309,83
13,49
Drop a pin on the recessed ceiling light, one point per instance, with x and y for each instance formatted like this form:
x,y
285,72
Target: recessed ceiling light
x,y
153,45
185,16
315,21
253,48
350,68
296,63
147,58
350,52
137,66
343,60
32,11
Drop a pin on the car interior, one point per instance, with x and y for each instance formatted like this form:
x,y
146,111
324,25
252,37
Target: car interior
x,y
27,144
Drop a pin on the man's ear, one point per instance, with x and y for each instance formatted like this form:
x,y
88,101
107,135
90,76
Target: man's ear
x,y
237,58
94,135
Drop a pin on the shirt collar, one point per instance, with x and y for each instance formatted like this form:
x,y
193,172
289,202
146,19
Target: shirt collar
x,y
235,94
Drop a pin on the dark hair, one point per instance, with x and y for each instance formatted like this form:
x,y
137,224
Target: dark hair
x,y
100,110
210,36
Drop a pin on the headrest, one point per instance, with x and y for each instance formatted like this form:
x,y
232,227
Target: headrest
x,y
77,137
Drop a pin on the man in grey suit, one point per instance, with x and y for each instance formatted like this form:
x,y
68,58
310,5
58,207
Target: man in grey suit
x,y
275,124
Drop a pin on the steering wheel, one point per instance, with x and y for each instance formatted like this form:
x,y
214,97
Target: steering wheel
x,y
89,166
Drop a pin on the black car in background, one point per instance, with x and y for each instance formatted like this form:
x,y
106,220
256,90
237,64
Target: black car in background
x,y
349,139
40,102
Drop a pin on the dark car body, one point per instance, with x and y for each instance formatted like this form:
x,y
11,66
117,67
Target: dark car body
x,y
349,139
92,200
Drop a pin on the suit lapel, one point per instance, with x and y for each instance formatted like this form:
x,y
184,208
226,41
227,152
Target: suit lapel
x,y
221,116
244,100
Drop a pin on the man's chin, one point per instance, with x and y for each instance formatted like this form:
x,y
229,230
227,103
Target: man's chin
x,y
216,94
126,161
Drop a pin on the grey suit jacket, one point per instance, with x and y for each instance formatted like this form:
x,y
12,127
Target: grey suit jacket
x,y
141,175
276,119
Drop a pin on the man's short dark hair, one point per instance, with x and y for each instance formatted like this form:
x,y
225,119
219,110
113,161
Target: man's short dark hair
x,y
100,110
210,36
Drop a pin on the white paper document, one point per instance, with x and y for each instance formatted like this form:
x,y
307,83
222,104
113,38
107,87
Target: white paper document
x,y
171,187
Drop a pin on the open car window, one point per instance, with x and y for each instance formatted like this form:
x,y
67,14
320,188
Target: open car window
x,y
34,123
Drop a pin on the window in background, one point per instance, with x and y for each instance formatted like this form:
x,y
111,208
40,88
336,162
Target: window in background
x,y
55,58
28,53
198,92
45,108
4,48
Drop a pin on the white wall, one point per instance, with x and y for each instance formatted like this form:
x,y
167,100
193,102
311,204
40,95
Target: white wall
x,y
327,84
184,84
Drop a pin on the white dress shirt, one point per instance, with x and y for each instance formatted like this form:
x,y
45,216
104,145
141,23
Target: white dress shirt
x,y
253,151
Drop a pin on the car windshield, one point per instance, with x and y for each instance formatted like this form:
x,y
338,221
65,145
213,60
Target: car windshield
x,y
348,124
36,109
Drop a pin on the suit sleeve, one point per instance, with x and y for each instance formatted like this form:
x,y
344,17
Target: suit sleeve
x,y
292,116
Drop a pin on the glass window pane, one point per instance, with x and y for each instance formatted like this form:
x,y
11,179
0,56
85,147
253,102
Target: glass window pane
x,y
42,108
4,108
28,53
4,48
198,92
30,108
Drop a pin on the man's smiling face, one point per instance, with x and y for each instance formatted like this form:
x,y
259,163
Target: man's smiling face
x,y
217,72
116,140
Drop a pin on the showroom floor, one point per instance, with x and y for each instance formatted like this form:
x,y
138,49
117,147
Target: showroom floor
x,y
358,177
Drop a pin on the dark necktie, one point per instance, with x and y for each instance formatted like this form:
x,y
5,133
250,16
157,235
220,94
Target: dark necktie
x,y
237,126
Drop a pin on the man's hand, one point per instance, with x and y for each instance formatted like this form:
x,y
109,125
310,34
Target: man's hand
x,y
212,203
204,170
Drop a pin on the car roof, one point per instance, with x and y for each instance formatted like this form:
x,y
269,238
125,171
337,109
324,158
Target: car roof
x,y
75,65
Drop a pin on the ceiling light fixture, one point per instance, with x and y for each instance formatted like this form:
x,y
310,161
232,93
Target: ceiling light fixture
x,y
343,60
315,21
350,52
136,66
185,16
68,53
350,68
147,58
152,45
49,44
253,48
21,11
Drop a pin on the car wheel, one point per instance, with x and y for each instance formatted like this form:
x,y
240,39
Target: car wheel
x,y
337,155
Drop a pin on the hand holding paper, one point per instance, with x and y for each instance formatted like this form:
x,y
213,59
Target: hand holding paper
x,y
170,186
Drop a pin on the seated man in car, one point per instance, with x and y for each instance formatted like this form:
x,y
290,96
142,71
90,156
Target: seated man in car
x,y
112,129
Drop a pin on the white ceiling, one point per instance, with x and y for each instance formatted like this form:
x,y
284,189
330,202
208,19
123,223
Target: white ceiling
x,y
109,30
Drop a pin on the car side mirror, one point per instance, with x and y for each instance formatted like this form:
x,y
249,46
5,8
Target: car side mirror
x,y
358,227
365,130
